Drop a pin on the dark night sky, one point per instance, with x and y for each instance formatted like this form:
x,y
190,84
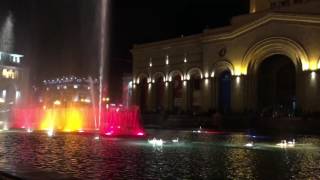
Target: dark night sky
x,y
58,38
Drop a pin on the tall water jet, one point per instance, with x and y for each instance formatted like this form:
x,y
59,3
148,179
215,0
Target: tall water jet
x,y
6,45
7,34
91,85
103,50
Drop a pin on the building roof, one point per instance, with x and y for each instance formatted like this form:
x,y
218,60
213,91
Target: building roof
x,y
303,13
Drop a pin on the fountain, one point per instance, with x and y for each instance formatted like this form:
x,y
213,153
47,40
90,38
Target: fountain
x,y
68,116
7,34
119,120
103,49
156,142
115,120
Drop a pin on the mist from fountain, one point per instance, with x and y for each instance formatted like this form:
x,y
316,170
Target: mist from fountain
x,y
91,85
6,45
7,34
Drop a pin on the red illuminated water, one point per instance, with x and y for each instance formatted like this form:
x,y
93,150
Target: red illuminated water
x,y
121,121
114,120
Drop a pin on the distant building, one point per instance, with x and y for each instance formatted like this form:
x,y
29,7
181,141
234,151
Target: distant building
x,y
268,58
14,80
68,89
14,84
127,89
120,68
264,5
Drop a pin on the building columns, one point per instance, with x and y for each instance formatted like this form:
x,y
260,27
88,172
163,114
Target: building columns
x,y
166,96
206,94
243,93
308,91
149,97
185,86
238,87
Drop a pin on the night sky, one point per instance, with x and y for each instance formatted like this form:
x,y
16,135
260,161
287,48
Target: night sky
x,y
58,38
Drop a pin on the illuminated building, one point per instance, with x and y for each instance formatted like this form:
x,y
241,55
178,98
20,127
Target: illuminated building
x,y
14,84
68,89
267,58
14,80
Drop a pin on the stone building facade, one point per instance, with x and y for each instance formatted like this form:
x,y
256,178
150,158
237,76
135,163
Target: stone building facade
x,y
67,90
14,80
14,85
267,58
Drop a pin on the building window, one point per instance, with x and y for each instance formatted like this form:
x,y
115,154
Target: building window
x,y
18,95
273,5
3,96
197,84
285,3
9,74
16,58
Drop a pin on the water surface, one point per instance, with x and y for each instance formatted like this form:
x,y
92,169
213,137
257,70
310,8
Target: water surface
x,y
196,156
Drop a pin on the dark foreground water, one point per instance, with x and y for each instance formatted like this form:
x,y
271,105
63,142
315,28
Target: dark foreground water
x,y
196,156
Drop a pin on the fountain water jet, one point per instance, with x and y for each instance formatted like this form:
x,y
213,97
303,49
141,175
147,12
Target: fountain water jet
x,y
7,34
93,103
103,50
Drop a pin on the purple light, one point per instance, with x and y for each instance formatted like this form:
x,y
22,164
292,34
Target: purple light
x,y
140,134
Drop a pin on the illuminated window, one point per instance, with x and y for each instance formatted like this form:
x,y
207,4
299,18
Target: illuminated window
x,y
18,95
3,97
16,58
9,73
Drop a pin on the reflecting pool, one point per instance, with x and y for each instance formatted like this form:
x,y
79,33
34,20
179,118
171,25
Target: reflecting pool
x,y
183,155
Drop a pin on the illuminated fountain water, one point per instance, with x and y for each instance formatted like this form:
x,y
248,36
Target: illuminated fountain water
x,y
71,117
115,120
68,119
121,121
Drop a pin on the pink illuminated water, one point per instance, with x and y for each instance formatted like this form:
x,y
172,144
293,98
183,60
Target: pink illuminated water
x,y
121,121
114,120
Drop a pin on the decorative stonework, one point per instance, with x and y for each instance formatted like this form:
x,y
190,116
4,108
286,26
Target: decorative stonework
x,y
223,52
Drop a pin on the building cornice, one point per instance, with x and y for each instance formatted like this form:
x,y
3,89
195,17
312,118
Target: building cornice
x,y
298,18
11,67
229,32
167,44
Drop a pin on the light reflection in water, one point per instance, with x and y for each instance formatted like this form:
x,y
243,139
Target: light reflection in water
x,y
240,162
200,156
304,161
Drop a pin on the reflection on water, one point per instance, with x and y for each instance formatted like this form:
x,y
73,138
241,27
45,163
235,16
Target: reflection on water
x,y
196,156
240,162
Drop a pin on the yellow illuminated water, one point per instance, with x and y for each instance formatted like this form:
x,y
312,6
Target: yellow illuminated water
x,y
64,119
